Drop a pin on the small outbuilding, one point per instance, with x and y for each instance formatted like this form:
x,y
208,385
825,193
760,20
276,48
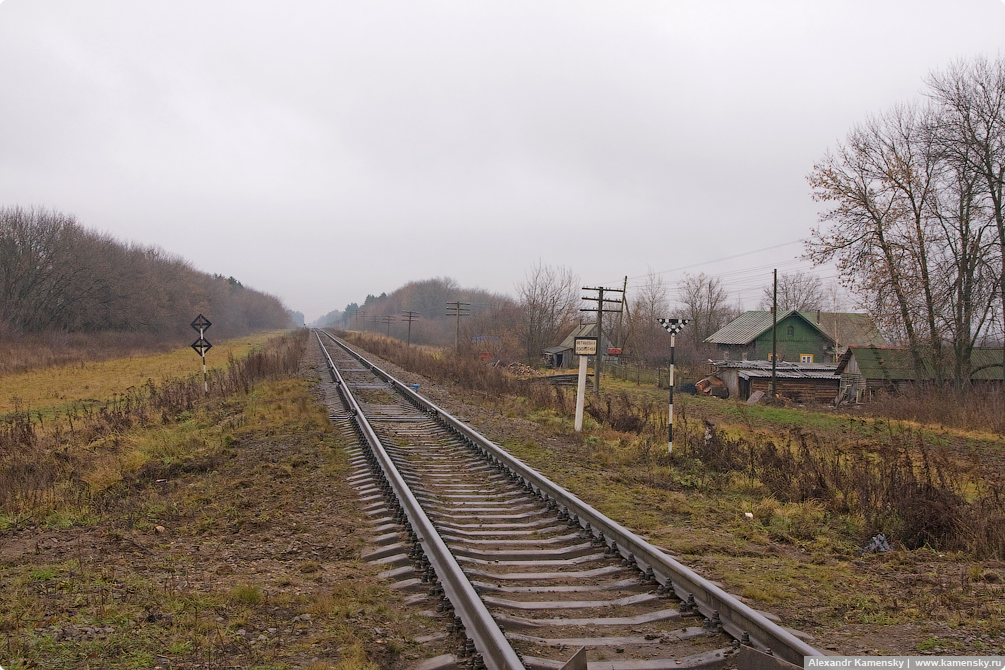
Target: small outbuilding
x,y
864,371
802,382
563,355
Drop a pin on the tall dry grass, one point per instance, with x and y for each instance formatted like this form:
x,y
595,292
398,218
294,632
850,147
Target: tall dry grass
x,y
25,353
465,369
979,407
42,458
895,481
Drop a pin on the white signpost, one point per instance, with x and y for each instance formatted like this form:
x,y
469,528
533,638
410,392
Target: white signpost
x,y
585,347
672,326
202,345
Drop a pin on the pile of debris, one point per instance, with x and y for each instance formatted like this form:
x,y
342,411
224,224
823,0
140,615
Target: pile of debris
x,y
520,371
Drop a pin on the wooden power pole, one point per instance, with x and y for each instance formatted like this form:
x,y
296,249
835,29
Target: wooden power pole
x,y
621,313
600,311
410,316
458,309
774,339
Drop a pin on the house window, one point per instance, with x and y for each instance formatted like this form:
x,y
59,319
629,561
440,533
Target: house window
x,y
791,331
805,358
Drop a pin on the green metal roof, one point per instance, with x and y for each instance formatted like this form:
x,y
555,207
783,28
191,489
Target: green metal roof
x,y
845,328
747,327
897,364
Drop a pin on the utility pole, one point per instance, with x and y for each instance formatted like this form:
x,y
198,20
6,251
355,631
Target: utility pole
x,y
601,304
458,309
774,338
410,316
621,314
360,313
387,319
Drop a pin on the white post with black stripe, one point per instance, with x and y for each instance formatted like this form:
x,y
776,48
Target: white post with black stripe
x,y
672,326
201,346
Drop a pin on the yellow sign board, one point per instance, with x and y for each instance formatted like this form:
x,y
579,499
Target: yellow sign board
x,y
586,346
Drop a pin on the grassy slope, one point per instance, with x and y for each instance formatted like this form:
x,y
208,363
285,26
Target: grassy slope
x,y
205,551
52,389
793,559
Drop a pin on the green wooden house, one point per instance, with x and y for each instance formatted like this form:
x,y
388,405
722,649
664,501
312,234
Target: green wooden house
x,y
803,337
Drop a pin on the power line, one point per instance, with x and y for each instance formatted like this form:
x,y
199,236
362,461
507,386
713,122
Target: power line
x,y
725,258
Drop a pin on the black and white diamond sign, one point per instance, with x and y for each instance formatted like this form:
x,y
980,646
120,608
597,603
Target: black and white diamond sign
x,y
201,323
673,326
201,346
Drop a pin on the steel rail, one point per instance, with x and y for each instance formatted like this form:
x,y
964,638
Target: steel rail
x,y
489,640
739,620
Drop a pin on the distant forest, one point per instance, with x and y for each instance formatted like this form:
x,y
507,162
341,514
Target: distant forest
x,y
482,312
57,276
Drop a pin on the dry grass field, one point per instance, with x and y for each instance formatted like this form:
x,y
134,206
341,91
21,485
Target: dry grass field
x,y
49,389
179,531
160,528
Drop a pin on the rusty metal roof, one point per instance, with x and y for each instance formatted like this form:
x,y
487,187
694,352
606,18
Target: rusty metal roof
x,y
782,365
784,370
788,374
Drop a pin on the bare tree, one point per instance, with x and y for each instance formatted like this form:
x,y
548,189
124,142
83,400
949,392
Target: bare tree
x,y
912,206
877,185
801,291
705,303
972,95
966,262
46,269
56,275
549,302
648,303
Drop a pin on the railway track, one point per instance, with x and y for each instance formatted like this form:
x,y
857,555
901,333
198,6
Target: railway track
x,y
523,573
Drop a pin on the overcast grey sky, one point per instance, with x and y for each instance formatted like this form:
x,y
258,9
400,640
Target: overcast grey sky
x,y
321,151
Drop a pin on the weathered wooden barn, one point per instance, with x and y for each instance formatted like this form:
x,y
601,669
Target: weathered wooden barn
x,y
865,371
563,355
801,382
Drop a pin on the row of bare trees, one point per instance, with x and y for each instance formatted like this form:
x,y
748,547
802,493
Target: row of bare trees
x,y
701,299
915,216
549,305
56,275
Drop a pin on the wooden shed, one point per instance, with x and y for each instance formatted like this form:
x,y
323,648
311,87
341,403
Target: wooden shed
x,y
563,355
864,371
806,382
